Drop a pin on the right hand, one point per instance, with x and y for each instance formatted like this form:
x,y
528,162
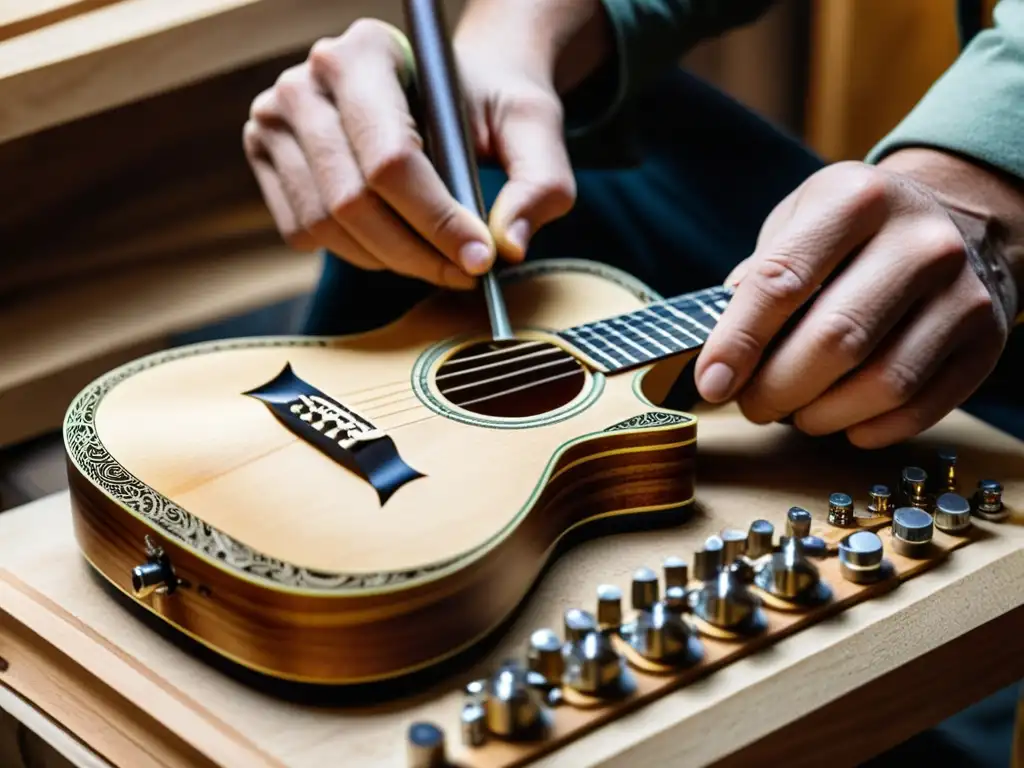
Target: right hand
x,y
341,165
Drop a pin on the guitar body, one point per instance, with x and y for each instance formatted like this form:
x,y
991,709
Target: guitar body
x,y
314,558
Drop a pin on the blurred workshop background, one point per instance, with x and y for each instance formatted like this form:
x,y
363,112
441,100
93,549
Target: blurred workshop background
x,y
131,221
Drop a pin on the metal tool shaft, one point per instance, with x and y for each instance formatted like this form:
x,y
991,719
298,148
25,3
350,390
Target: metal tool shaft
x,y
448,131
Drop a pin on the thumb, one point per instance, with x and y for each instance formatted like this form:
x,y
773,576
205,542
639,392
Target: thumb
x,y
529,143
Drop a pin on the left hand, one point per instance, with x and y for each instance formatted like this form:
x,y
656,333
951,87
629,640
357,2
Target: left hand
x,y
902,336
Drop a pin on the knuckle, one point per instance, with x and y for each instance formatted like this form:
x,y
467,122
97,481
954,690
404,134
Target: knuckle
x,y
351,204
366,31
846,335
291,85
388,166
326,56
264,106
941,244
867,187
783,277
899,382
557,194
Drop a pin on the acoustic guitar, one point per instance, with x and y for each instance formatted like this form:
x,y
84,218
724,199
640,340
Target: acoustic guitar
x,y
344,510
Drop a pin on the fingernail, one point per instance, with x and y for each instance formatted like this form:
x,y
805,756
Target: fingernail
x,y
518,233
475,257
455,278
716,383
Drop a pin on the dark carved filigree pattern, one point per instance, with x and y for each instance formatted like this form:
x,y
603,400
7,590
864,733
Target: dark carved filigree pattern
x,y
650,419
103,470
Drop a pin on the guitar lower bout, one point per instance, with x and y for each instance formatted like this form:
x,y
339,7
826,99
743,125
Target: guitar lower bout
x,y
235,491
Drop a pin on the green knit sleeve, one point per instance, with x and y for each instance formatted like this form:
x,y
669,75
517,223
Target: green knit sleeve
x,y
976,108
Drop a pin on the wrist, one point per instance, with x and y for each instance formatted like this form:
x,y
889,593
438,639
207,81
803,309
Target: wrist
x,y
565,40
986,204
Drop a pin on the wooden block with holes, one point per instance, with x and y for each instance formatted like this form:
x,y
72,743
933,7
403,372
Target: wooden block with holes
x,y
881,661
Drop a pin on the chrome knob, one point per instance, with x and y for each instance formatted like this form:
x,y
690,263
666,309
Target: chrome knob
x,y
798,522
734,544
840,510
578,624
609,607
725,602
592,665
708,561
760,539
788,574
425,746
473,720
545,656
881,501
676,599
645,589
156,574
860,557
661,635
911,531
513,708
952,513
915,481
676,573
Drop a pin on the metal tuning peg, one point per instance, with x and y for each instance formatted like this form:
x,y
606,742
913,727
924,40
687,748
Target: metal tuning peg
x,y
677,580
644,591
881,501
609,608
707,561
544,659
725,602
513,709
952,513
814,546
840,510
912,530
760,539
790,576
988,501
425,747
861,558
662,635
798,522
734,545
948,481
592,665
155,575
914,487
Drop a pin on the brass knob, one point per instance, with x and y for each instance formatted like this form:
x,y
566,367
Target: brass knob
x,y
734,544
545,656
840,510
609,607
880,503
676,573
915,481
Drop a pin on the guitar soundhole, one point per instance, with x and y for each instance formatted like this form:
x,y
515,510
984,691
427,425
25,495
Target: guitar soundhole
x,y
510,379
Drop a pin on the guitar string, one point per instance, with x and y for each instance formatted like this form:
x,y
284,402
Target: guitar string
x,y
692,301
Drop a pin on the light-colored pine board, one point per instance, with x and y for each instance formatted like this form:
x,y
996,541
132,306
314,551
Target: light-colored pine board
x,y
136,48
20,16
746,472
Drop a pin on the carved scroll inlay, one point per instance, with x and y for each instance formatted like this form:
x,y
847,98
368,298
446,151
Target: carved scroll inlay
x,y
650,419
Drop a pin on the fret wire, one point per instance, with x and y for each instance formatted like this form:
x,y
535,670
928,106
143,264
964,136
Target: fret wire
x,y
643,351
686,317
678,327
646,337
589,347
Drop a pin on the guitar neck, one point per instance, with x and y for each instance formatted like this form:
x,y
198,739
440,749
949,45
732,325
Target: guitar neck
x,y
657,331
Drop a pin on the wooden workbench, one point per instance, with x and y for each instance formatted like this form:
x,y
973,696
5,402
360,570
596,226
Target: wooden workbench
x,y
96,683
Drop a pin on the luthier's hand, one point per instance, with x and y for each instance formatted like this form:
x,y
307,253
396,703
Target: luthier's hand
x,y
341,165
907,330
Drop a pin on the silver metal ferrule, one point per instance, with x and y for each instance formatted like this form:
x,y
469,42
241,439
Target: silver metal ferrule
x,y
952,513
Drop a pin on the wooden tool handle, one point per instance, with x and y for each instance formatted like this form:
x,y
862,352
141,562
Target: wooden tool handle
x,y
443,108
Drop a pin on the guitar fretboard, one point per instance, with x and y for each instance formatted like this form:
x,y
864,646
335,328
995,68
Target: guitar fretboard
x,y
659,330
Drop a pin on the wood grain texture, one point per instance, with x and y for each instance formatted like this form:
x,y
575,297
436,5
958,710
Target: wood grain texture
x,y
871,61
744,471
131,49
17,17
